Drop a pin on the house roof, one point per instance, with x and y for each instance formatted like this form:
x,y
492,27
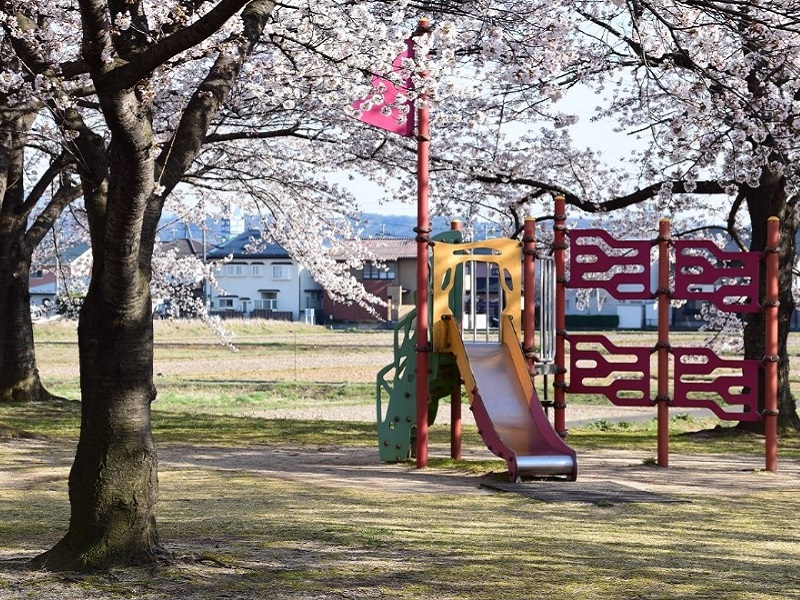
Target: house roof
x,y
247,245
74,252
388,248
184,247
46,289
68,255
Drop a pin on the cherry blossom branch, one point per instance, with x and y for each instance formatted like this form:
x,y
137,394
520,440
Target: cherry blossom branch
x,y
66,194
731,223
196,119
40,187
126,75
253,135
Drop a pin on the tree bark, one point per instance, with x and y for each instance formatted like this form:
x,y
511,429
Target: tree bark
x,y
113,484
767,200
19,375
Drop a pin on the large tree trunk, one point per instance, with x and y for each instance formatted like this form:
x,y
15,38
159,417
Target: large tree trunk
x,y
113,484
768,200
19,376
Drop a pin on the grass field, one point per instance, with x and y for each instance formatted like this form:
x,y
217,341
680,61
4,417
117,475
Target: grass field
x,y
280,508
276,364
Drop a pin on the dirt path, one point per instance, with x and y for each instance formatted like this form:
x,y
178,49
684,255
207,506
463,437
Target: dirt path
x,y
28,463
32,463
577,415
359,467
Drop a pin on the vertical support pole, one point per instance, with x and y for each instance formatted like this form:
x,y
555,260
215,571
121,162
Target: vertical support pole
x,y
771,303
663,346
488,298
559,253
456,423
423,242
529,292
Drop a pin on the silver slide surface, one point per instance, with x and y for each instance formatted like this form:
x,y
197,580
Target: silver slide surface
x,y
514,426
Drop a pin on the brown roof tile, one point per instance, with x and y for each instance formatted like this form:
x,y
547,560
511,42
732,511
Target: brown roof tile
x,y
385,248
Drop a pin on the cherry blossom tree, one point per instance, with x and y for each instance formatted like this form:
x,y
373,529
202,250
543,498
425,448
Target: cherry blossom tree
x,y
50,120
31,200
203,104
20,234
197,104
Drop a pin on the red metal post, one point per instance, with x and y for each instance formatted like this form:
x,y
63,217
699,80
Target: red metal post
x,y
662,398
529,291
771,347
423,240
455,397
559,253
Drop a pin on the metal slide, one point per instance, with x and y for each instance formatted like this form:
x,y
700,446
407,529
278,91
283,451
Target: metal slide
x,y
507,410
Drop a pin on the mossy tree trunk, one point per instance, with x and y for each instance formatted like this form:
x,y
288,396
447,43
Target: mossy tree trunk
x,y
113,484
20,234
19,375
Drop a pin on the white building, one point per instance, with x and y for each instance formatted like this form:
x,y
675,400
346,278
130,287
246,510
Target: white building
x,y
66,274
262,280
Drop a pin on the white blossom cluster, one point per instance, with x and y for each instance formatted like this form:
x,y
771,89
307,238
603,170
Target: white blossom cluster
x,y
701,92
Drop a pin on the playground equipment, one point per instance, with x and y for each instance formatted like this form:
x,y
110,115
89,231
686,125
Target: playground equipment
x,y
498,375
699,378
398,380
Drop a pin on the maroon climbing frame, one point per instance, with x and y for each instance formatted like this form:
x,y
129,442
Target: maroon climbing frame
x,y
622,268
728,280
736,384
589,366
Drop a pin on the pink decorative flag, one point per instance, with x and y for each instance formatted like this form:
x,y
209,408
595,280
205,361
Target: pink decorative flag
x,y
389,106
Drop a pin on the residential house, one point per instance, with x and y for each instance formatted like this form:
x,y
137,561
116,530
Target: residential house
x,y
63,274
261,280
390,274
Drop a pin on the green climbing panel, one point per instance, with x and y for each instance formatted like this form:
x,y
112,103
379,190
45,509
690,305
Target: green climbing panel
x,y
398,380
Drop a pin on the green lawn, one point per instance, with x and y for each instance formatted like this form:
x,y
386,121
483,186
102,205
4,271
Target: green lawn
x,y
251,530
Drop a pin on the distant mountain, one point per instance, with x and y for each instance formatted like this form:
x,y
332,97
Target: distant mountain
x,y
376,224
219,230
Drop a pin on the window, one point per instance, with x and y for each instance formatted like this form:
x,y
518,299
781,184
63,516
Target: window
x,y
37,274
314,299
257,269
268,300
281,271
226,303
384,271
234,270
